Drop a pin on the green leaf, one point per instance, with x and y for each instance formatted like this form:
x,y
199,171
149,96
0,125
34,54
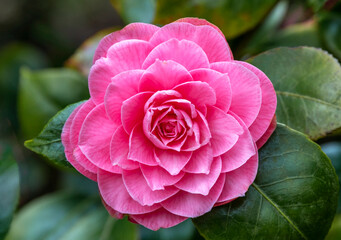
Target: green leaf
x,y
68,216
43,93
335,230
316,4
294,195
308,85
233,17
81,60
48,142
135,10
9,190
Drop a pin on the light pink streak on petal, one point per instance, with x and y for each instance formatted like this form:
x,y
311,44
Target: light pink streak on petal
x,y
246,91
116,196
68,148
201,183
241,151
140,148
74,134
198,93
139,190
132,111
267,134
141,31
160,218
238,181
95,137
269,103
207,37
172,161
219,82
119,148
163,75
157,177
174,49
194,205
224,128
200,161
123,86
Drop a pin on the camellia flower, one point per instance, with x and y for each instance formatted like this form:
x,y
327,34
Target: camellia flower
x,y
173,123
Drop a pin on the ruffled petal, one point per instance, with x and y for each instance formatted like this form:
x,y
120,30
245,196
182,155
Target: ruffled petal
x,y
171,160
200,161
267,133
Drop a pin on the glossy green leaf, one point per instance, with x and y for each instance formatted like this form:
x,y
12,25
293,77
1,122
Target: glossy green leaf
x,y
68,216
294,195
48,142
81,60
43,93
9,190
335,230
308,85
135,10
233,17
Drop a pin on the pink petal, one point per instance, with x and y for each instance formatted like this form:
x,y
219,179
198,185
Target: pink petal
x,y
198,93
140,148
119,148
163,75
201,183
160,97
174,49
243,150
68,148
116,196
139,190
160,218
172,161
200,161
237,182
157,178
267,134
269,103
224,128
140,31
217,81
132,111
246,91
194,205
207,37
95,137
123,86
204,129
112,212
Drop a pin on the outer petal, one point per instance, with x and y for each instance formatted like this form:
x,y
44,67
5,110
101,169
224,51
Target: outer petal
x,y
207,37
65,137
171,160
164,75
139,190
174,49
194,205
268,133
141,31
225,130
160,218
123,86
201,183
238,181
242,151
115,195
269,103
95,137
200,161
157,177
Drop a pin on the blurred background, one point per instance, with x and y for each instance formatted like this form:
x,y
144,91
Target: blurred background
x,y
46,49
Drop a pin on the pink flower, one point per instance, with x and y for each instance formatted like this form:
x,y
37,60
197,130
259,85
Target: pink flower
x,y
173,123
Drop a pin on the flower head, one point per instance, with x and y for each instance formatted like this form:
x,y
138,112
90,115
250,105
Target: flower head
x,y
173,123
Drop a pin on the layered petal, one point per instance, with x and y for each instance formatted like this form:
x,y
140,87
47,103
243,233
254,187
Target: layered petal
x,y
267,133
171,160
200,161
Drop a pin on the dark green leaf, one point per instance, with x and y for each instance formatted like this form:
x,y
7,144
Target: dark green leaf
x,y
68,216
316,4
293,197
233,17
43,93
9,190
135,10
335,230
308,85
48,142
